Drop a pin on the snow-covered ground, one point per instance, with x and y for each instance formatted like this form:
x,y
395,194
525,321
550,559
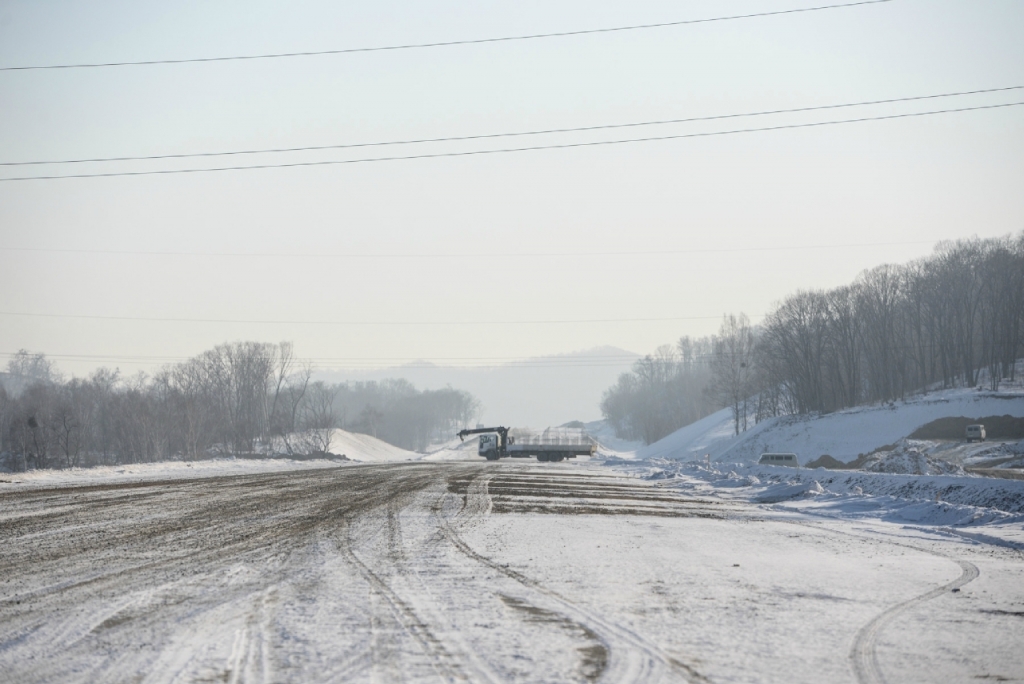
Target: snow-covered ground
x,y
636,565
163,470
592,570
844,435
988,508
734,594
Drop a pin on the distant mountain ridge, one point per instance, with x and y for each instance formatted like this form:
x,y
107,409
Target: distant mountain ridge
x,y
536,392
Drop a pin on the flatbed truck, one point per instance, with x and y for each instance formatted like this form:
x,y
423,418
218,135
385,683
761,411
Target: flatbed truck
x,y
495,443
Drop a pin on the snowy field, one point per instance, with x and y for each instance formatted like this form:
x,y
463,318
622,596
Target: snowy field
x,y
506,572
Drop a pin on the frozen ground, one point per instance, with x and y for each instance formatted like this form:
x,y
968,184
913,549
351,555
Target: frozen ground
x,y
502,572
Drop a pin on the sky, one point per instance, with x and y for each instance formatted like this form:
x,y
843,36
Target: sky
x,y
480,259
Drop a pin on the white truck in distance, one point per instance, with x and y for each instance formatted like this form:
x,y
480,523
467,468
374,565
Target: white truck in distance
x,y
495,443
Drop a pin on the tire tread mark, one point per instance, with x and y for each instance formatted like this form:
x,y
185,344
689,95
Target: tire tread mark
x,y
653,652
442,660
864,656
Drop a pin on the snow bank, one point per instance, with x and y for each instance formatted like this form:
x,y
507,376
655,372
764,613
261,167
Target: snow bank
x,y
925,499
843,435
910,457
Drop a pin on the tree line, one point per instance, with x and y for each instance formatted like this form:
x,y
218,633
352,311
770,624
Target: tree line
x,y
243,398
950,319
396,412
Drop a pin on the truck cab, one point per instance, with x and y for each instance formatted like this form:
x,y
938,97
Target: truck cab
x,y
488,447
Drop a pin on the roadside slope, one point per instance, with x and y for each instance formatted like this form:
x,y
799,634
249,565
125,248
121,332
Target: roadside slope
x,y
843,434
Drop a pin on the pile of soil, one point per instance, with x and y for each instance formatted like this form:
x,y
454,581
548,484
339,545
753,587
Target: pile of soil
x,y
826,461
996,427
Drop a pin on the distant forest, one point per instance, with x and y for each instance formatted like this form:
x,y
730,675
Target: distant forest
x,y
896,330
245,398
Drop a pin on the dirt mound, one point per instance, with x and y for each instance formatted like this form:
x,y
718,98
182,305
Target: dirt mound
x,y
826,461
996,427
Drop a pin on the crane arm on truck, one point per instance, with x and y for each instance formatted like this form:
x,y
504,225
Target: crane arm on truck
x,y
502,431
491,451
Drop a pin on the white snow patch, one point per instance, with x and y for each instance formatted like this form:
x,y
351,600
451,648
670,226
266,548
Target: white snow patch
x,y
366,448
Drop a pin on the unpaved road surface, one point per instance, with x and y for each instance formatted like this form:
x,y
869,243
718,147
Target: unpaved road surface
x,y
456,572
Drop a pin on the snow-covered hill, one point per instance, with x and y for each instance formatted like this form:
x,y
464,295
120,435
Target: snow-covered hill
x,y
843,435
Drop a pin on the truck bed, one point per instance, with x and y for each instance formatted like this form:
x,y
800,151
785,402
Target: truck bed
x,y
562,450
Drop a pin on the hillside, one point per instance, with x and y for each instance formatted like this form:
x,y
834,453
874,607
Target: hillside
x,y
843,435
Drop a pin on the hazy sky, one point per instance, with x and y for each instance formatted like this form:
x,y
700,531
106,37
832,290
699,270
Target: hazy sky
x,y
598,233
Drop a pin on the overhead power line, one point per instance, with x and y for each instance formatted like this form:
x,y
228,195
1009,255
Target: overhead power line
x,y
448,43
454,255
406,367
486,136
532,148
155,319
626,356
446,362
397,364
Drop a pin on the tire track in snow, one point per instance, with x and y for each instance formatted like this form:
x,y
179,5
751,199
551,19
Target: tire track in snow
x,y
405,573
864,656
442,660
257,520
642,661
249,660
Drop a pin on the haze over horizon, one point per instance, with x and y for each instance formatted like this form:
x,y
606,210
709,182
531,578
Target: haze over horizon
x,y
481,260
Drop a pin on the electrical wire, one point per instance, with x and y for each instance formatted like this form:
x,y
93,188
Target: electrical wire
x,y
512,149
487,136
453,255
154,319
359,359
453,362
449,43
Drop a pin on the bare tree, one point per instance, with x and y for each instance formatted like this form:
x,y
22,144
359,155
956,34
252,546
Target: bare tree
x,y
732,367
286,418
319,421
